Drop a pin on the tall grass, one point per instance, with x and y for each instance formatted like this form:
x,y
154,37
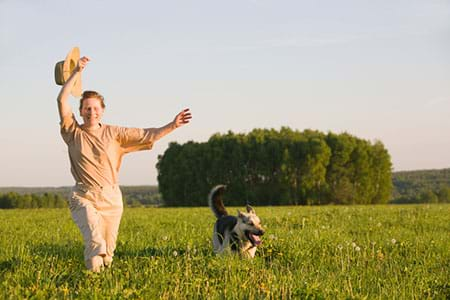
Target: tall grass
x,y
374,252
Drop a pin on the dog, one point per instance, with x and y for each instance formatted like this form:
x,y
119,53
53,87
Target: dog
x,y
240,234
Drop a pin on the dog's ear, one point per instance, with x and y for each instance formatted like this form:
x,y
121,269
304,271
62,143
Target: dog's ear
x,y
243,216
250,209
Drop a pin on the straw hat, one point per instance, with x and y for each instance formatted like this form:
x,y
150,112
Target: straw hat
x,y
64,69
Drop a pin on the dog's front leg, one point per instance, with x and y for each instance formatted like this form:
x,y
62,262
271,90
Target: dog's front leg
x,y
250,253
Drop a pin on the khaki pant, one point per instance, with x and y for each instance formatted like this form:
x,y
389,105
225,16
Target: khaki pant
x,y
97,212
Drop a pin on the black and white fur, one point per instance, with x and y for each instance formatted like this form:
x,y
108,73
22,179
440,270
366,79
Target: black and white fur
x,y
239,234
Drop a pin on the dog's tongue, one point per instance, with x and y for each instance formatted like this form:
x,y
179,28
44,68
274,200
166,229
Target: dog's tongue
x,y
256,239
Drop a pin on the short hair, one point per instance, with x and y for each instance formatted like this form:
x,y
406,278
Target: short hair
x,y
92,94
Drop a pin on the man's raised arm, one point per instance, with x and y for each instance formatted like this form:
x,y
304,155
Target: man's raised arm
x,y
63,105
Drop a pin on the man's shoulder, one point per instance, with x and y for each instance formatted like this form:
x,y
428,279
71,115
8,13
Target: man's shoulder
x,y
110,127
118,128
112,130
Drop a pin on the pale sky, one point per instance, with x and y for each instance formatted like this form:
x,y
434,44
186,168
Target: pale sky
x,y
379,70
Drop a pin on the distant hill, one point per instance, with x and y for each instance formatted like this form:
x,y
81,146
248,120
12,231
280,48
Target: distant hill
x,y
413,181
63,190
420,185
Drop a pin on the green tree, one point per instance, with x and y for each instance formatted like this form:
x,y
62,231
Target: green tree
x,y
428,196
27,199
339,184
267,167
444,194
381,174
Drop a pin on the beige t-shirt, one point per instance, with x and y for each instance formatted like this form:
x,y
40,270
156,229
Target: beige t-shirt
x,y
96,155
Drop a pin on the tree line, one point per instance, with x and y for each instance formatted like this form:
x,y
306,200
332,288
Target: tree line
x,y
277,167
46,200
133,196
420,186
138,196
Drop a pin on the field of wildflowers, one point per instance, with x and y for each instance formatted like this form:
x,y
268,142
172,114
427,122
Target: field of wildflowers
x,y
374,252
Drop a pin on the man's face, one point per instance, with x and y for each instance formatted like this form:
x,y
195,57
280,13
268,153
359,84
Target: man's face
x,y
91,111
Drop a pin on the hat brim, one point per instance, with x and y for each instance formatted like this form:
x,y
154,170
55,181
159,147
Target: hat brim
x,y
64,69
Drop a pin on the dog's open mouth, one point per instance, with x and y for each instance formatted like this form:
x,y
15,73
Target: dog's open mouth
x,y
255,239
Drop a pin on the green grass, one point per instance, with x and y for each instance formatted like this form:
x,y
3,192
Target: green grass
x,y
373,252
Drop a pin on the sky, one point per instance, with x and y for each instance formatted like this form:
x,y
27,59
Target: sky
x,y
379,70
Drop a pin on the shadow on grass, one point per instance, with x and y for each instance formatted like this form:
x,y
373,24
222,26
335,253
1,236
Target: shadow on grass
x,y
74,250
9,264
165,251
68,250
148,252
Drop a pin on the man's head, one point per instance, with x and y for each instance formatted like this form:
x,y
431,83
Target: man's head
x,y
92,106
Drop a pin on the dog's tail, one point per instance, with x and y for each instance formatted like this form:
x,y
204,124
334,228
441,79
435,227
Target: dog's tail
x,y
215,201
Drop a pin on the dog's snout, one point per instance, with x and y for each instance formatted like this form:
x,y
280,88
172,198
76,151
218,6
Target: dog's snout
x,y
261,232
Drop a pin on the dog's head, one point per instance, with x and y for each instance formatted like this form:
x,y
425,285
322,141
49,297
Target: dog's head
x,y
250,225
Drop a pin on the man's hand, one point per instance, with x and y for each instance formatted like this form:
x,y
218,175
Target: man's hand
x,y
82,62
182,118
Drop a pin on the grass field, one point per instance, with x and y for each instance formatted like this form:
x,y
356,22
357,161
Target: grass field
x,y
377,252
